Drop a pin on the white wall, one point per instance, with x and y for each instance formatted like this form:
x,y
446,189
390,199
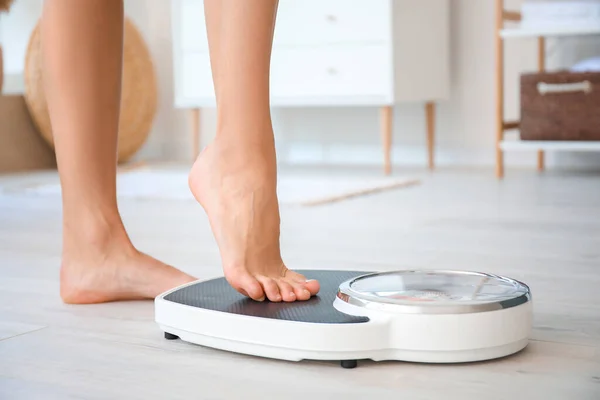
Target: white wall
x,y
465,123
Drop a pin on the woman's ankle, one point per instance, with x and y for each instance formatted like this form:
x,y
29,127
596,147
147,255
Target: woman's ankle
x,y
90,233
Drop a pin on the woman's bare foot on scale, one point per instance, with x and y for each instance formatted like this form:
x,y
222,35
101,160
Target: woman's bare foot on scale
x,y
236,184
103,266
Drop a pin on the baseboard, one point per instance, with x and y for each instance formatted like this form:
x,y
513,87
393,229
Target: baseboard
x,y
371,155
416,156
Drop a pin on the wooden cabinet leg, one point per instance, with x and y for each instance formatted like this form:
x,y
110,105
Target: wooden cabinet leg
x,y
540,160
430,117
386,137
195,132
499,163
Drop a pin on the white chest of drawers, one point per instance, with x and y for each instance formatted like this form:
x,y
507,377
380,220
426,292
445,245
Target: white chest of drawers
x,y
333,53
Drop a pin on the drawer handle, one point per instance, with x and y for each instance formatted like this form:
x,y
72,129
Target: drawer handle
x,y
332,71
544,88
331,18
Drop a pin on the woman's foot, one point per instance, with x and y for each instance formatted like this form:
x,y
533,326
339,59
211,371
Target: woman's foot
x,y
236,184
106,267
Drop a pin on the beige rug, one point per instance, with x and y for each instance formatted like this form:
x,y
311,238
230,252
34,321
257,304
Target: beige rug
x,y
293,189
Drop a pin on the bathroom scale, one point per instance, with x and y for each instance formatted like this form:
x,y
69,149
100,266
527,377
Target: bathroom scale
x,y
416,316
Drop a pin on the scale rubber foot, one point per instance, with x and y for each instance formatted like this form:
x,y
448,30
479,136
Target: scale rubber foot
x,y
170,336
349,364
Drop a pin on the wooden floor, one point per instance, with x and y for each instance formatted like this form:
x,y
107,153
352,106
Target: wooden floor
x,y
542,229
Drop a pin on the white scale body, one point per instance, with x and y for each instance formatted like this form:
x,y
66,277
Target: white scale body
x,y
417,316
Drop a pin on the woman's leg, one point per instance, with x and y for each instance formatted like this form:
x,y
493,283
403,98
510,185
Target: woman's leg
x,y
235,177
82,52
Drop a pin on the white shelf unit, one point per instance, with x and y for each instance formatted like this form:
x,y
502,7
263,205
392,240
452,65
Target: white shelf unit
x,y
502,125
529,145
548,32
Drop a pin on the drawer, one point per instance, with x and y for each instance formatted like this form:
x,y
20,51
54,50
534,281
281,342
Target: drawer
x,y
317,22
332,71
302,74
190,25
194,77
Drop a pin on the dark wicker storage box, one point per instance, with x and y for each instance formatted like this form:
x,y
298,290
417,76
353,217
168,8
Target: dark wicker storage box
x,y
560,106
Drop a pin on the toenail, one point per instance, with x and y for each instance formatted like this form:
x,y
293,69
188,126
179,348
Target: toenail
x,y
309,280
306,292
292,294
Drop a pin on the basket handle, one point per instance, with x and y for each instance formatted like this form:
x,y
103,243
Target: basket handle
x,y
545,88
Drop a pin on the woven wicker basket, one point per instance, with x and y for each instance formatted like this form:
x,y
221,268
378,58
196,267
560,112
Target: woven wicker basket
x,y
560,106
139,91
5,5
